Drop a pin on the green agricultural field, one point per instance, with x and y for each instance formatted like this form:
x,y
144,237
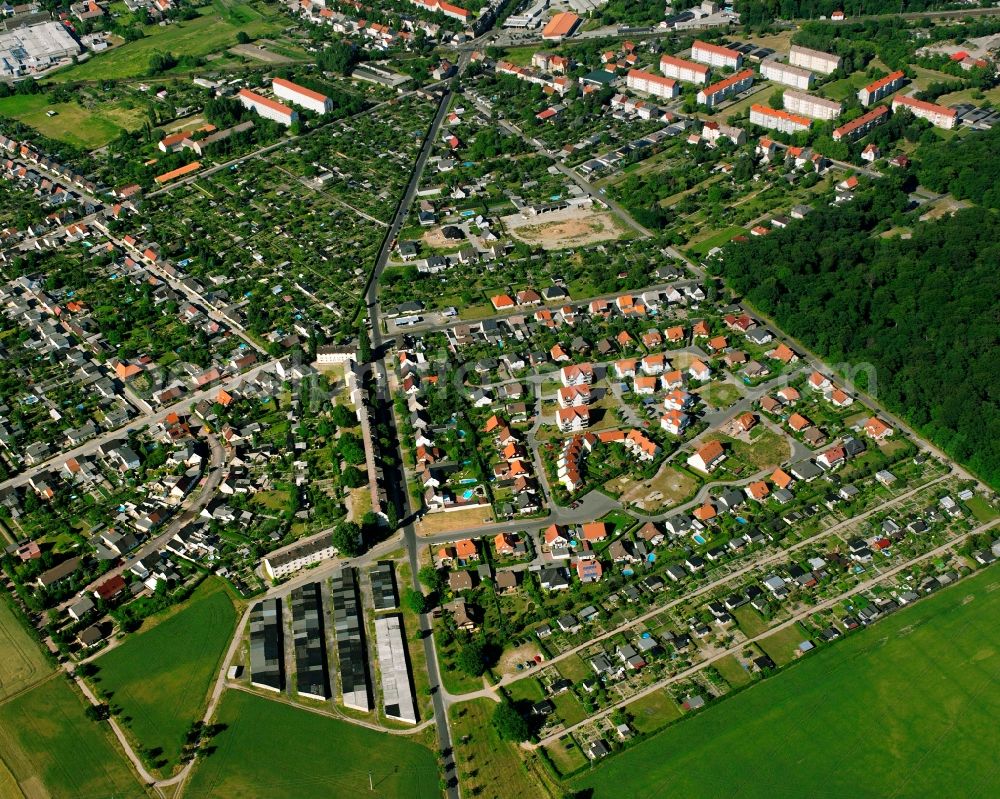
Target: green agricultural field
x,y
161,676
215,30
22,662
49,748
72,123
907,707
270,750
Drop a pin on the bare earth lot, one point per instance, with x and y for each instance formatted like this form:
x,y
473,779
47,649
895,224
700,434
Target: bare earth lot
x,y
571,227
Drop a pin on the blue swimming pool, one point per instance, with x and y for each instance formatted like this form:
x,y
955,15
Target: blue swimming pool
x,y
468,494
699,538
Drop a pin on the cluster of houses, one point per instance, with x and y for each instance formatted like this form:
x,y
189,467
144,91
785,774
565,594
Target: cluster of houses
x,y
571,460
515,468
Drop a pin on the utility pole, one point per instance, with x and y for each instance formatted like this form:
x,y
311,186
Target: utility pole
x,y
371,785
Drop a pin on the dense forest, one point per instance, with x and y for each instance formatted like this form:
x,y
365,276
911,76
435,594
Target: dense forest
x,y
969,172
923,311
762,12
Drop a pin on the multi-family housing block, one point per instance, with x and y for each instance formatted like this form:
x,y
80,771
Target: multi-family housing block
x,y
734,84
882,87
302,96
716,55
937,115
679,69
658,86
816,60
860,126
775,119
796,77
809,105
268,108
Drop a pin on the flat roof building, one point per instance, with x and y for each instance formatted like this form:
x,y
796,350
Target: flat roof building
x,y
394,665
312,678
267,653
35,48
384,591
352,654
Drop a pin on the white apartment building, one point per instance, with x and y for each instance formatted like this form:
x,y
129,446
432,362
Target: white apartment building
x,y
640,81
268,108
300,95
816,60
809,105
715,55
679,69
288,561
938,115
773,119
788,75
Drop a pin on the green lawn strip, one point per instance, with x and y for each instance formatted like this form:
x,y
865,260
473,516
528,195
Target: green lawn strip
x,y
566,755
488,767
46,740
917,690
161,676
782,646
750,621
653,711
22,661
270,749
732,672
573,668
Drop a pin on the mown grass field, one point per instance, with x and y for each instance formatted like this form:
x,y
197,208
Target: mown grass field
x,y
49,748
22,662
215,30
270,750
906,708
161,676
492,768
74,124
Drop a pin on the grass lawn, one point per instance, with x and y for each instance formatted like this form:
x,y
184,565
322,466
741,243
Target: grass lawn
x,y
568,708
573,668
653,711
161,676
782,645
749,620
845,87
487,763
732,672
701,248
718,395
566,755
22,662
981,509
911,703
270,750
50,749
74,124
208,33
527,690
